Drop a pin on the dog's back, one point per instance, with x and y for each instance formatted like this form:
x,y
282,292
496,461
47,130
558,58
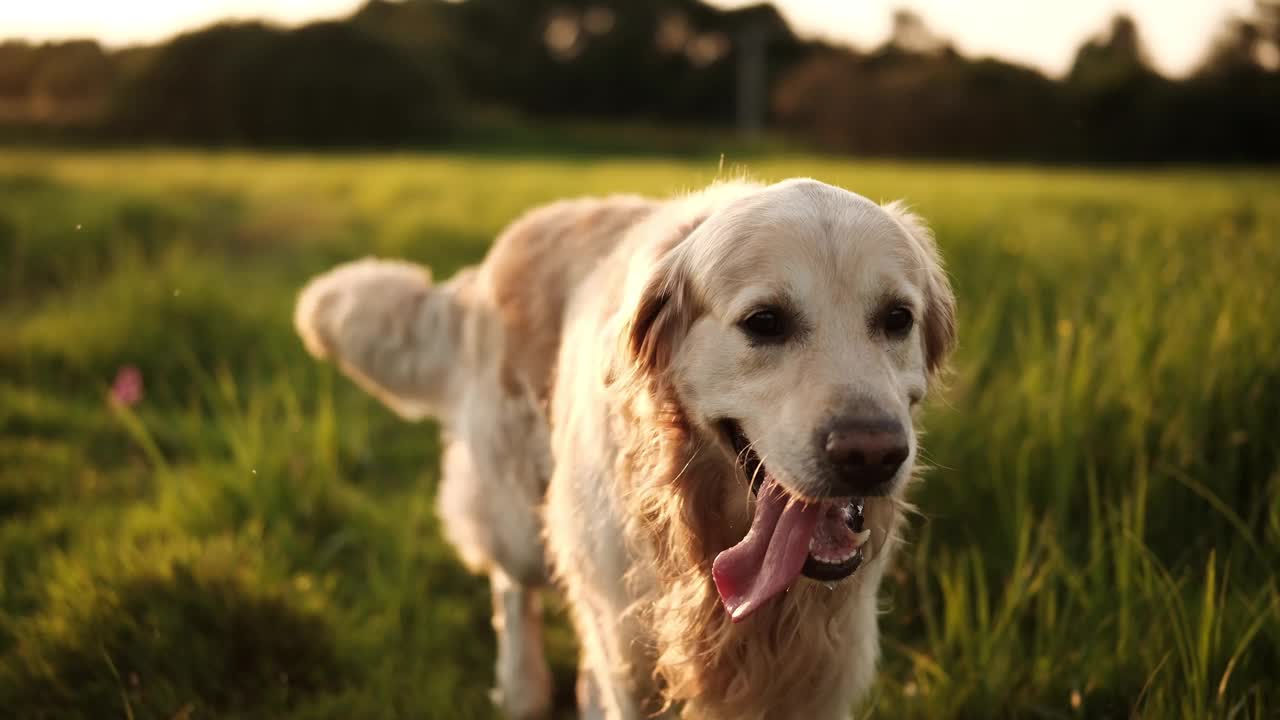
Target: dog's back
x,y
417,346
536,264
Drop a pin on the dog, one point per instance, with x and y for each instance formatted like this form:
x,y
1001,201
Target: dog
x,y
695,416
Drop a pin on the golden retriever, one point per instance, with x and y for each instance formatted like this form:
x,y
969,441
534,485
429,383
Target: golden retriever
x,y
695,414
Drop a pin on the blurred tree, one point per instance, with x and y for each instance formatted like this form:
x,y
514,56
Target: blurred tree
x,y
656,59
401,71
334,83
1113,57
424,30
1248,44
73,83
1231,104
1268,14
912,35
322,84
1115,97
916,95
18,61
65,83
188,90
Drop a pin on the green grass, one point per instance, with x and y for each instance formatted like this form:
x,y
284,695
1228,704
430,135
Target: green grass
x,y
1100,537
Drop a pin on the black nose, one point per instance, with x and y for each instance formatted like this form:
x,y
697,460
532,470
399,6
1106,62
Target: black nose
x,y
865,453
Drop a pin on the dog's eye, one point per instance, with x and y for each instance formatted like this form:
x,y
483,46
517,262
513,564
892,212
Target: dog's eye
x,y
897,322
766,325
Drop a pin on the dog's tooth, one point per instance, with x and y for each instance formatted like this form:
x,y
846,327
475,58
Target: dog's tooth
x,y
862,537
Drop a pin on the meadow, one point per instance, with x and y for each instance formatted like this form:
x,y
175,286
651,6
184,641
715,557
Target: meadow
x,y
256,538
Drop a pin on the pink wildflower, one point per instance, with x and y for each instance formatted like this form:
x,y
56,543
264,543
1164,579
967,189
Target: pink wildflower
x,y
126,390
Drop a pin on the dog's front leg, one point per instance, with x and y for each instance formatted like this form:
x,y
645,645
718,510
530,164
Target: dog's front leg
x,y
615,671
524,680
585,539
613,683
590,706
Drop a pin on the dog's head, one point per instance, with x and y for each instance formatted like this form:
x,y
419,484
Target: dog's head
x,y
797,329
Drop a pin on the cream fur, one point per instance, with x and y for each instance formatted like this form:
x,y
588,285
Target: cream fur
x,y
579,373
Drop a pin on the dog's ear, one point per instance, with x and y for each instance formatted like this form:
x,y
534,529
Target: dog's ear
x,y
940,303
661,317
663,310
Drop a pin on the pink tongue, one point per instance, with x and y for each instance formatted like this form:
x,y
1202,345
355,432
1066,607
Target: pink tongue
x,y
770,557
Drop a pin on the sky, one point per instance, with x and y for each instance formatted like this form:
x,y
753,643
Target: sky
x,y
1043,33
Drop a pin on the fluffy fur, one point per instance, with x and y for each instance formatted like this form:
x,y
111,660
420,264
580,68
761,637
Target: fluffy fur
x,y
579,373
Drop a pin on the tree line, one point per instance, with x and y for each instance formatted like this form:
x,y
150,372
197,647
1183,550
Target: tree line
x,y
422,71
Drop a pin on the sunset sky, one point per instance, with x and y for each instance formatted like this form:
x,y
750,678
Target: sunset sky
x,y
1044,33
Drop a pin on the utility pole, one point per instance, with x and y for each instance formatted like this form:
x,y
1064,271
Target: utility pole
x,y
752,40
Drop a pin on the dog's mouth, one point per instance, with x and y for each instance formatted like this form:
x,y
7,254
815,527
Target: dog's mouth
x,y
790,536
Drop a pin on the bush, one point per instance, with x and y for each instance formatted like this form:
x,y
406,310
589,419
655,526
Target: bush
x,y
323,84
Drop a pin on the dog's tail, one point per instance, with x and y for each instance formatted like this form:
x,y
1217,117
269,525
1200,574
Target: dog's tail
x,y
393,332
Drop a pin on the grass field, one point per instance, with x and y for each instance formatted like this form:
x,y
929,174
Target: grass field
x,y
256,538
